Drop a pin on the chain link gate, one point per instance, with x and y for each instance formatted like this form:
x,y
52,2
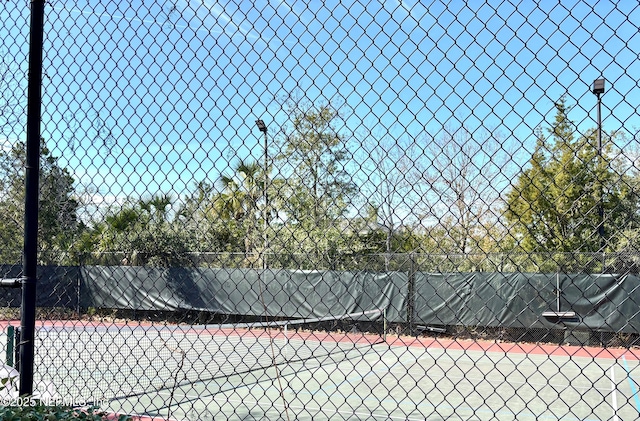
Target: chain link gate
x,y
343,210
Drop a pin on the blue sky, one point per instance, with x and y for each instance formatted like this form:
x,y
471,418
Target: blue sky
x,y
153,96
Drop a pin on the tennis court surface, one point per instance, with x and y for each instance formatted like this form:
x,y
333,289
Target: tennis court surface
x,y
282,371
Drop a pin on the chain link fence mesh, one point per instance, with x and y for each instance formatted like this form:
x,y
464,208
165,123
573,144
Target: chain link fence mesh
x,y
329,210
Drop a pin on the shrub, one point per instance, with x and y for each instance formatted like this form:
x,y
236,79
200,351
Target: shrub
x,y
39,412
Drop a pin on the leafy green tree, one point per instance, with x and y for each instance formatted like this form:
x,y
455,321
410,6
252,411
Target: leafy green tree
x,y
139,233
554,205
310,190
58,222
210,233
313,156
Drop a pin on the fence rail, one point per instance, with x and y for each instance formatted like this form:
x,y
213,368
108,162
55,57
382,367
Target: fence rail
x,y
486,152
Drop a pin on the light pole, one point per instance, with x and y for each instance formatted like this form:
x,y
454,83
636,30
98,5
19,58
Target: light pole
x,y
598,89
265,225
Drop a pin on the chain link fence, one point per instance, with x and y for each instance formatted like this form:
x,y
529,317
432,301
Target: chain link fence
x,y
312,210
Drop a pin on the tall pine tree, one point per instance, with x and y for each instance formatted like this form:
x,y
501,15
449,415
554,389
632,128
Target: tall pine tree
x,y
568,189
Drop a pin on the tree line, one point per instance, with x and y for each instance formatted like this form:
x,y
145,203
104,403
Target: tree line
x,y
342,201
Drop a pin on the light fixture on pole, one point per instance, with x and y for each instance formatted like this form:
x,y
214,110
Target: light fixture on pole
x,y
261,126
265,225
598,89
598,86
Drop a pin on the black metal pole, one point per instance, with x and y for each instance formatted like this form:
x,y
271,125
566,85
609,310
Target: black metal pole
x,y
266,201
265,224
601,204
32,175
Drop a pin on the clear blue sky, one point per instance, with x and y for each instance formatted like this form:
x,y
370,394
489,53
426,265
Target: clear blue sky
x,y
174,88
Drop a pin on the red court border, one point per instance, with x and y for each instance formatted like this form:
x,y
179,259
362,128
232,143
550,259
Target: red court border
x,y
632,354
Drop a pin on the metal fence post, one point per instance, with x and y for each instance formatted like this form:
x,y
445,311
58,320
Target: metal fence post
x,y
32,174
411,297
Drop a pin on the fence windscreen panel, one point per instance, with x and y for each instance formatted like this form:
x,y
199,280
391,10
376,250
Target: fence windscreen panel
x,y
328,210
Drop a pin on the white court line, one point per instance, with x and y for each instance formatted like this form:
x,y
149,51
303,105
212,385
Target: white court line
x,y
614,397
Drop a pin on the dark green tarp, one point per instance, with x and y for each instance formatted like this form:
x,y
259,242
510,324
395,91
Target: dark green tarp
x,y
601,302
275,293
604,302
58,286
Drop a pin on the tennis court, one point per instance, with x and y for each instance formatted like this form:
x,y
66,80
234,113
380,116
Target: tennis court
x,y
283,372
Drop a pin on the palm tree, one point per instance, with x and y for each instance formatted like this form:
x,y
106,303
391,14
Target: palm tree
x,y
156,207
239,199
